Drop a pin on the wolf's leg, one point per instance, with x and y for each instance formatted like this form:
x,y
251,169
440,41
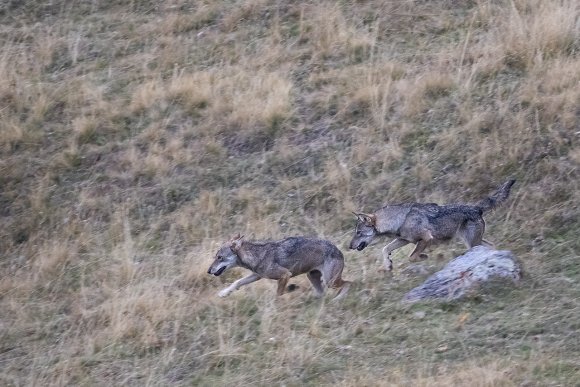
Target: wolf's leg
x,y
473,233
239,283
315,278
416,254
388,249
342,287
421,245
332,277
283,281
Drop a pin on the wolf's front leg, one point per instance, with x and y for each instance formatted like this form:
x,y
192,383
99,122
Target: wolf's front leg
x,y
422,244
238,284
418,254
388,249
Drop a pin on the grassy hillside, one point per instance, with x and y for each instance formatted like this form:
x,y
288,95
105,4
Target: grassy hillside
x,y
136,137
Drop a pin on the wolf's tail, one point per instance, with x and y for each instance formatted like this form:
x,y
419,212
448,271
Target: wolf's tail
x,y
497,198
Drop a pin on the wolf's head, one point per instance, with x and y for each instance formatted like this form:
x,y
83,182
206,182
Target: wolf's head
x,y
226,257
364,231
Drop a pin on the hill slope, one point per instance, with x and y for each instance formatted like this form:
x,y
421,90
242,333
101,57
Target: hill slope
x,y
134,139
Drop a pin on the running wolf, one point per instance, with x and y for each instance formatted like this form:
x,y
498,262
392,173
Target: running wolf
x,y
425,224
280,260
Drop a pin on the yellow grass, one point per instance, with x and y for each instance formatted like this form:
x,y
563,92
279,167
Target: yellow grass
x,y
137,137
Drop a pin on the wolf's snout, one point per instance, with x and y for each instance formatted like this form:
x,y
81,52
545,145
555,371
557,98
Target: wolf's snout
x,y
209,271
219,271
361,246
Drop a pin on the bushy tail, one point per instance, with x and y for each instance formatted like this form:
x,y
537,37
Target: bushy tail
x,y
497,198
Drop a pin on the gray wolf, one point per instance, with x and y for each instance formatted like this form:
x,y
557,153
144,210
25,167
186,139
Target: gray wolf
x,y
425,224
280,260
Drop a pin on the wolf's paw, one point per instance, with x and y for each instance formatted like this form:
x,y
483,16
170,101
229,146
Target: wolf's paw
x,y
224,293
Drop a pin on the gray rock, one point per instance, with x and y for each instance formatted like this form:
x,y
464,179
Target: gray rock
x,y
462,274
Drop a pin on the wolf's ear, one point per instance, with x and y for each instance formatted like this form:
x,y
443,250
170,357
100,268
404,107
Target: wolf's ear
x,y
237,242
370,219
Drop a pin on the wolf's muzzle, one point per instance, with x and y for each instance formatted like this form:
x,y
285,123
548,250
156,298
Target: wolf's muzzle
x,y
361,246
219,271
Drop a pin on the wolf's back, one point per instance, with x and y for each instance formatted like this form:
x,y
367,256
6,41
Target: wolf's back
x,y
292,244
497,198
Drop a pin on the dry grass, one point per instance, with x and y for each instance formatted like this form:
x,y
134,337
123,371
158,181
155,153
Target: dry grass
x,y
135,138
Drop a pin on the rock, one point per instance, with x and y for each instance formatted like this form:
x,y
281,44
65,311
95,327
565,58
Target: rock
x,y
462,274
419,315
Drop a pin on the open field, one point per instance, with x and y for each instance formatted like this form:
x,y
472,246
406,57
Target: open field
x,y
136,137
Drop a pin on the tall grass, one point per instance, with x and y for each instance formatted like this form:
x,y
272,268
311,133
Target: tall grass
x,y
136,138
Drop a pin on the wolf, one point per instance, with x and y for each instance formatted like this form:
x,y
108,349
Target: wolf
x,y
425,224
280,260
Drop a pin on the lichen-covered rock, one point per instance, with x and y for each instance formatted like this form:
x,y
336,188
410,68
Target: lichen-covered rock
x,y
477,266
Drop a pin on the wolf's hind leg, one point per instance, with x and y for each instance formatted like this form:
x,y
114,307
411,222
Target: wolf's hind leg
x,y
315,278
472,233
239,283
283,281
342,287
332,277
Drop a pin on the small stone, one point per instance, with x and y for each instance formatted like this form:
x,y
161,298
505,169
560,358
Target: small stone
x,y
419,315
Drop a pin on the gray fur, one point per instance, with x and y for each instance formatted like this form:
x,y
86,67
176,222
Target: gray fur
x,y
280,260
425,224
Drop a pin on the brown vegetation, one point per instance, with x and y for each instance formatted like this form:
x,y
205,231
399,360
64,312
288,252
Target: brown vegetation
x,y
136,136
